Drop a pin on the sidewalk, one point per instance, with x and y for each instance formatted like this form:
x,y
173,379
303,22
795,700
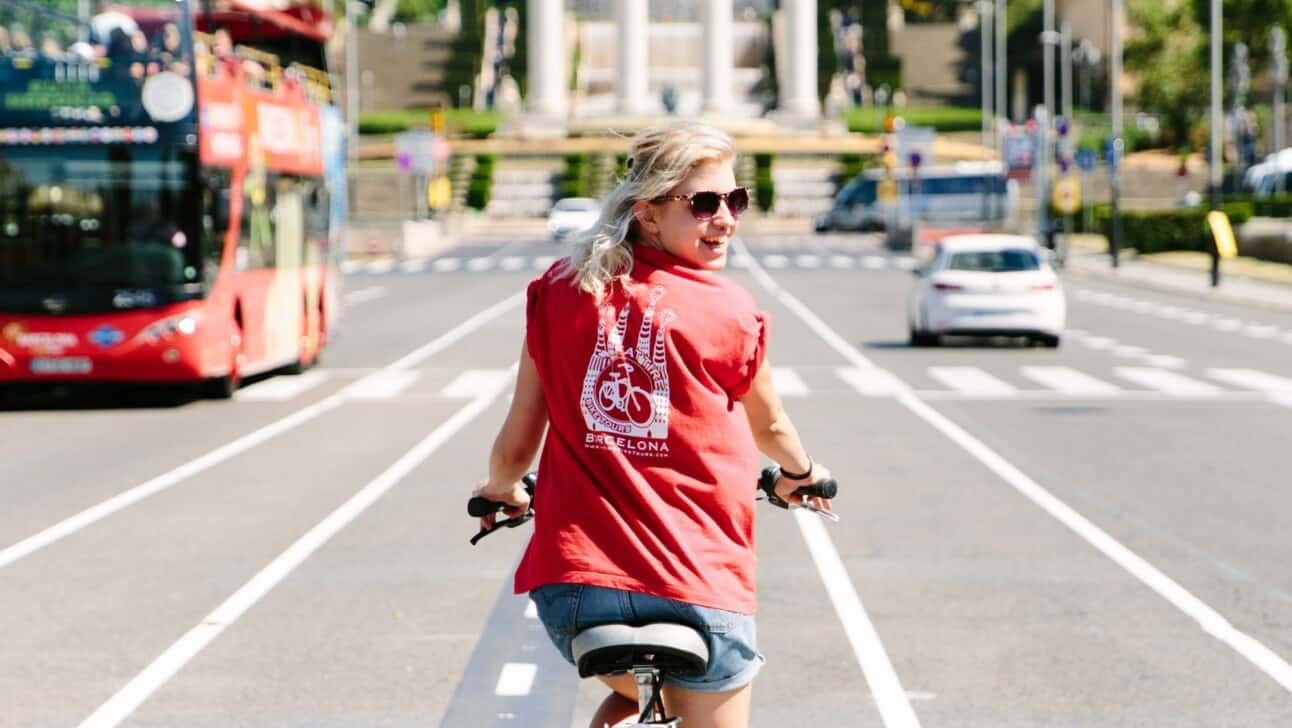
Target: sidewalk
x,y
1244,281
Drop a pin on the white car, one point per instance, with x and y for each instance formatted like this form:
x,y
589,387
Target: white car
x,y
572,215
987,285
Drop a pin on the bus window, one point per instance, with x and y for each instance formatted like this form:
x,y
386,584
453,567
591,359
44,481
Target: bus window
x,y
256,234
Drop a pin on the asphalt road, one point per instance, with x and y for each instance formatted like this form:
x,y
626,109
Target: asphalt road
x,y
1090,536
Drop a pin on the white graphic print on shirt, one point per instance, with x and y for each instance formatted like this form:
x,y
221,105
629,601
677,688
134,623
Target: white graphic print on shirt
x,y
625,390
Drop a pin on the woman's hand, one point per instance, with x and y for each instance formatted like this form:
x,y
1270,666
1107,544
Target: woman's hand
x,y
513,494
785,488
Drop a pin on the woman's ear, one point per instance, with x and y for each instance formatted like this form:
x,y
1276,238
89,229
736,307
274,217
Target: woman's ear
x,y
644,214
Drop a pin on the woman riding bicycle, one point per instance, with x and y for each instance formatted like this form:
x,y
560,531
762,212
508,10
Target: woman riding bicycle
x,y
650,368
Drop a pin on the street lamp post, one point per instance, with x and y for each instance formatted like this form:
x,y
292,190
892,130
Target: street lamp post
x,y
1114,163
1048,41
1279,59
1001,75
985,79
353,9
1065,66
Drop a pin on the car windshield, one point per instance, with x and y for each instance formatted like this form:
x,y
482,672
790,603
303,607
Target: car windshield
x,y
995,261
575,205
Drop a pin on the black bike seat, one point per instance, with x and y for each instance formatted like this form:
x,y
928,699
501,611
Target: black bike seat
x,y
610,649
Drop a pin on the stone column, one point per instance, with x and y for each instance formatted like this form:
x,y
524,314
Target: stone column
x,y
799,100
631,86
545,38
718,55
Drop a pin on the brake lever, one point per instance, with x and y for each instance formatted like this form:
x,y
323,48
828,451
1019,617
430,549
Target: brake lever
x,y
529,479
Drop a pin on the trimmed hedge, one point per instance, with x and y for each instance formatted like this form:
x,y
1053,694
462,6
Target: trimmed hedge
x,y
481,184
574,178
870,120
764,187
457,122
1157,231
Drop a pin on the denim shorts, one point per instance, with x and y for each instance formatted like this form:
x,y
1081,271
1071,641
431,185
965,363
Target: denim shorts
x,y
734,660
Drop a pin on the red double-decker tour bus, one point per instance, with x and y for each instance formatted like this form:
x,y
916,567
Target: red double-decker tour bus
x,y
171,190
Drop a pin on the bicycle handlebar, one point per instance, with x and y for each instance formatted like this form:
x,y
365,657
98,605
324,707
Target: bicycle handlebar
x,y
478,507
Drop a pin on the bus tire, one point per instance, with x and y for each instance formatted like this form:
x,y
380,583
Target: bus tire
x,y
222,387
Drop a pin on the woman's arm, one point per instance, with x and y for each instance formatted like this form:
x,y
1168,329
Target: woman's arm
x,y
776,436
518,440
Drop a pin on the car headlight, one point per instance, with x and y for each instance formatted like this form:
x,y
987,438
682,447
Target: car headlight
x,y
184,324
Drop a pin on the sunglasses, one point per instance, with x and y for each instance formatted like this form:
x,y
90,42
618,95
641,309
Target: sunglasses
x,y
704,205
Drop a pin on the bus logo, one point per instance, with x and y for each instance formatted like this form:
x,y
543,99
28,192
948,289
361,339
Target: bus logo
x,y
106,336
55,304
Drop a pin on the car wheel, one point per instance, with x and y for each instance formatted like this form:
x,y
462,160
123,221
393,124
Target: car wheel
x,y
924,338
1048,341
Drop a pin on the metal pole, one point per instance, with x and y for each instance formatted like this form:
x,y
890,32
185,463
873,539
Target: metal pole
x,y
1214,159
1278,53
1001,74
351,82
1045,125
1065,66
1114,167
985,80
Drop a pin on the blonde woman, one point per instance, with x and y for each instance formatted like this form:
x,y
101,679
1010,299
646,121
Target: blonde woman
x,y
645,380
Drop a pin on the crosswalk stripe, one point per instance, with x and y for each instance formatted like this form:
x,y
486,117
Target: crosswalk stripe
x,y
1165,361
1166,381
775,261
380,266
471,383
513,262
446,265
1271,384
874,262
350,266
543,262
280,388
1261,331
905,262
808,261
788,383
873,382
971,380
477,265
413,265
841,261
1069,381
382,385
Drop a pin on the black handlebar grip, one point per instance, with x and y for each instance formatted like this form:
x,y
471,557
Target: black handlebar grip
x,y
825,489
479,507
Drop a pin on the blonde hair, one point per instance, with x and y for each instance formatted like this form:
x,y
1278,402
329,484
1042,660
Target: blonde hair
x,y
659,160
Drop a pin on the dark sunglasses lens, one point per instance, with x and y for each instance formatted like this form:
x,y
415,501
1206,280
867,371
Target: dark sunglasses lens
x,y
738,201
705,204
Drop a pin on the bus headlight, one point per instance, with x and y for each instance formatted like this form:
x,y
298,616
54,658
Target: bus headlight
x,y
184,324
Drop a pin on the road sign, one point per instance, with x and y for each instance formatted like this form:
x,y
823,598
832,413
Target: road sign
x,y
1019,152
1222,233
417,151
915,145
1085,159
1067,195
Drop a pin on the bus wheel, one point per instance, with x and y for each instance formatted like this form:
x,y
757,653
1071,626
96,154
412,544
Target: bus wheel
x,y
224,387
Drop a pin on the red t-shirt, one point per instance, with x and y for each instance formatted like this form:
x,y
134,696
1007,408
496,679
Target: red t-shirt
x,y
647,477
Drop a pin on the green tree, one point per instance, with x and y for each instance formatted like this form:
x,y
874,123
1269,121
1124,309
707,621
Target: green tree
x,y
1164,54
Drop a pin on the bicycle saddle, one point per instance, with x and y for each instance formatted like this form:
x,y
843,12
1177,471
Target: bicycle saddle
x,y
615,648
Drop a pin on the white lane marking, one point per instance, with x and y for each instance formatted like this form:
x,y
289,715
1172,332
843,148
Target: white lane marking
x,y
788,383
364,295
1261,331
1170,382
531,610
281,388
1278,388
1171,312
972,381
543,262
871,381
1129,351
1287,338
142,686
905,262
473,383
446,265
775,261
1069,381
1197,318
477,265
381,386
808,261
1226,324
380,266
1166,361
893,702
1099,342
414,265
512,262
95,513
874,262
350,266
894,707
841,261
516,678
1211,621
